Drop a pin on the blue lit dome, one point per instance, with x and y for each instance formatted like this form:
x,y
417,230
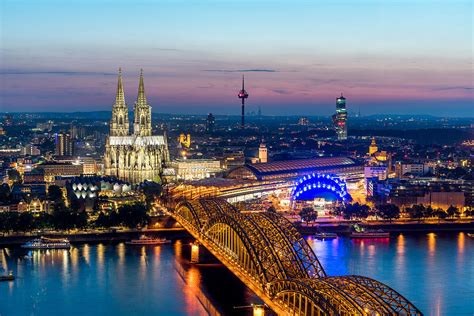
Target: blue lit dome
x,y
326,186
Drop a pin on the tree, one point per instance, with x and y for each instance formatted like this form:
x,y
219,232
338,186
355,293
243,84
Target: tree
x,y
5,196
416,211
14,175
74,204
65,218
151,190
271,209
428,212
440,213
389,211
133,215
25,222
308,214
453,211
43,220
55,193
356,210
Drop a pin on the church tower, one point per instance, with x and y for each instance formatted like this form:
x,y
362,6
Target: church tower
x,y
142,112
119,125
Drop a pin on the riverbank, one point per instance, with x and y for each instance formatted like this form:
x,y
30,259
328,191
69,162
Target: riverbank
x,y
392,227
95,236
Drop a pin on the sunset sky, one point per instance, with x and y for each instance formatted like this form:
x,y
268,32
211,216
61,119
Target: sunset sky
x,y
408,57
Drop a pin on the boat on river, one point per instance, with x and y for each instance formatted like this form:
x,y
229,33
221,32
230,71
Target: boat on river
x,y
361,232
470,235
322,235
47,243
8,277
145,240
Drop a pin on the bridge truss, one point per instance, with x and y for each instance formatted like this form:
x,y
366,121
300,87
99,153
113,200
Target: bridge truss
x,y
271,257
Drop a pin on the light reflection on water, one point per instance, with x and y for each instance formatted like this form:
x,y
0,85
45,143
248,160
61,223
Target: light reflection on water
x,y
435,271
113,279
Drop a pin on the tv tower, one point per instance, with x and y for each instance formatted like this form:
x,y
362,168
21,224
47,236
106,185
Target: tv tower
x,y
243,95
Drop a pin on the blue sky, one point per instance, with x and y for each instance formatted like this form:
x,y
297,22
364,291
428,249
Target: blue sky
x,y
386,56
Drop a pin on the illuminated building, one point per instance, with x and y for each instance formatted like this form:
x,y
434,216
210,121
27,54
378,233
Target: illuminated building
x,y
8,120
195,169
373,147
243,95
410,169
30,150
77,132
340,118
263,153
64,145
303,121
185,140
379,172
139,156
377,156
210,123
54,169
89,166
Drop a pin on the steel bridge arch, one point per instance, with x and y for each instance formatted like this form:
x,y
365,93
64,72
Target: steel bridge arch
x,y
267,252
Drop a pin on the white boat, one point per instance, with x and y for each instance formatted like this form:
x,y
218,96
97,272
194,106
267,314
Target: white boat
x,y
47,243
325,235
370,234
361,232
145,240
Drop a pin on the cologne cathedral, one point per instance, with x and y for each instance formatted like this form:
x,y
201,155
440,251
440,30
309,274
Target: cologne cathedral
x,y
138,155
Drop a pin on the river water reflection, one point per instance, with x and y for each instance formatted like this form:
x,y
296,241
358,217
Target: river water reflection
x,y
435,271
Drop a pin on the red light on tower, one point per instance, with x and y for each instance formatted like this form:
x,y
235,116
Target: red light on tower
x,y
243,95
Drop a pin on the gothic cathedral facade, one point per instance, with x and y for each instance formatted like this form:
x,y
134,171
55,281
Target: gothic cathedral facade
x,y
137,156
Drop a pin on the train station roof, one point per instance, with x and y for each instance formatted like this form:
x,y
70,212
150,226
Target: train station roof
x,y
292,168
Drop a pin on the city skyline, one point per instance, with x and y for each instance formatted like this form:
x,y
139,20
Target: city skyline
x,y
65,57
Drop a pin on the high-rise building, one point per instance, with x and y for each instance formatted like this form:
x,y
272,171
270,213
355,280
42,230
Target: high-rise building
x,y
64,144
243,95
340,118
210,123
138,156
77,132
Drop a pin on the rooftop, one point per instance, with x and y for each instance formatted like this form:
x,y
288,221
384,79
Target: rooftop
x,y
300,164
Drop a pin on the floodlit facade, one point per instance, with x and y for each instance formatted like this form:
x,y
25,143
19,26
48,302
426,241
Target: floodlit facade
x,y
138,156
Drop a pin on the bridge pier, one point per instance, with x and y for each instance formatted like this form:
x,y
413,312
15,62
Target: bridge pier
x,y
258,310
195,252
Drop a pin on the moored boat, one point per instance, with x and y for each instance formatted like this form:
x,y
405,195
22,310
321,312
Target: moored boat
x,y
8,277
361,232
47,243
470,235
370,234
325,235
145,240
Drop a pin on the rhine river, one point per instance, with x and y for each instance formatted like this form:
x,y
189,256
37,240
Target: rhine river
x,y
435,271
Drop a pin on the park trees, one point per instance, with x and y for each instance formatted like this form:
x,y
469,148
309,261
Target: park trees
x,y
308,215
388,211
133,215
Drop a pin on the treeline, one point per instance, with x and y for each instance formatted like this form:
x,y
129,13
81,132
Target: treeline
x,y
391,211
63,218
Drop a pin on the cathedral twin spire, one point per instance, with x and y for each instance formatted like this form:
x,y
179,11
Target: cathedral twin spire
x,y
119,124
